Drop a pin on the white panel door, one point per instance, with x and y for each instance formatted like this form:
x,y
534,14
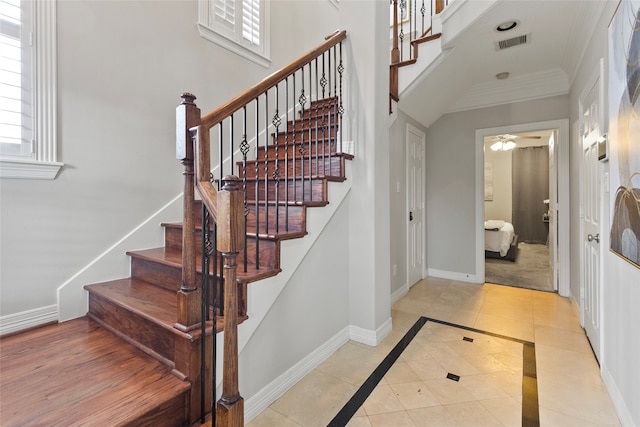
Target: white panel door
x,y
415,205
590,132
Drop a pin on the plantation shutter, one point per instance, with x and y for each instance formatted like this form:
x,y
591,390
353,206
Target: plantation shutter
x,y
251,21
15,96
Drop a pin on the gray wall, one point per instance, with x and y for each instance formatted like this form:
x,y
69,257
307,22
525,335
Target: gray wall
x,y
451,179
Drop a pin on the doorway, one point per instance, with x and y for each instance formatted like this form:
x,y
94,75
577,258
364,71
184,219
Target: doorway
x,y
558,215
519,196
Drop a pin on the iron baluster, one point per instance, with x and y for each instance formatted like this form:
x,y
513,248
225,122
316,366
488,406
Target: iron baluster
x,y
403,6
335,94
294,140
323,124
310,129
341,107
286,155
266,164
204,307
276,121
316,130
303,101
244,149
220,160
422,11
257,185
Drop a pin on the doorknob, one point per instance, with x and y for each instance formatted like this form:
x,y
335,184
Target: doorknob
x,y
591,238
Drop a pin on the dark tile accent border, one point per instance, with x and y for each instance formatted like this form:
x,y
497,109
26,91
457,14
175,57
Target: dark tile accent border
x,y
352,406
530,411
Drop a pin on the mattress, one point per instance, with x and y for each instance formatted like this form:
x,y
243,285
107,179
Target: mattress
x,y
498,236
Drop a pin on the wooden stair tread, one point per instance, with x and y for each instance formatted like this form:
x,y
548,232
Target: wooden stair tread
x,y
173,258
147,300
118,384
281,234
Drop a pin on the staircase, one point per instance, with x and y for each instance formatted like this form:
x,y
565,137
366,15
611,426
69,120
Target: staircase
x,y
288,175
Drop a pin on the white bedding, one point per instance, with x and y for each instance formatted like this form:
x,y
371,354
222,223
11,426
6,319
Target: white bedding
x,y
498,240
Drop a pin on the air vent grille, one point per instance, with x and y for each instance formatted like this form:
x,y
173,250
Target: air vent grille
x,y
504,44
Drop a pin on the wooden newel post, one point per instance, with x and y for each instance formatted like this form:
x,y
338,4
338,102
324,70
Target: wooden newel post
x,y
230,407
189,313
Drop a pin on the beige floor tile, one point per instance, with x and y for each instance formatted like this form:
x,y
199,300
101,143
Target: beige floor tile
x,y
315,399
359,422
436,416
392,419
457,365
581,368
452,314
486,363
403,321
270,418
509,381
472,414
579,401
449,391
401,373
427,368
414,395
505,326
551,418
561,338
353,363
507,410
483,386
382,400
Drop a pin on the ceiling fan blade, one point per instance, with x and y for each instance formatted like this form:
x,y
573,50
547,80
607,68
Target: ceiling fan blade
x,y
529,136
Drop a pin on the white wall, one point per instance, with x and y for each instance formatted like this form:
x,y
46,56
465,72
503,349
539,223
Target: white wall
x,y
451,180
620,290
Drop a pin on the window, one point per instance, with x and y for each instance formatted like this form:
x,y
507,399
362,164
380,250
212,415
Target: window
x,y
28,89
241,26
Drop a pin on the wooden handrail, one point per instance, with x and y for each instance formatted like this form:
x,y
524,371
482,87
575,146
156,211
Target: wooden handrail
x,y
226,109
227,207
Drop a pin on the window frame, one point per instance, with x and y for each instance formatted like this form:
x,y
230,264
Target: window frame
x,y
43,162
230,35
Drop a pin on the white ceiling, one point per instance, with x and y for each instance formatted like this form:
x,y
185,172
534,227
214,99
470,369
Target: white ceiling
x,y
558,30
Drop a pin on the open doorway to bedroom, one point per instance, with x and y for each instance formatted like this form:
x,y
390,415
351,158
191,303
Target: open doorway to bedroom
x,y
520,188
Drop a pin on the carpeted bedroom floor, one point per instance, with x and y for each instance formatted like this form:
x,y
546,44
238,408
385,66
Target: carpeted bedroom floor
x,y
531,270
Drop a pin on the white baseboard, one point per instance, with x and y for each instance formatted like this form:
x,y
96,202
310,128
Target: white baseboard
x,y
618,402
260,401
369,337
397,295
452,275
28,319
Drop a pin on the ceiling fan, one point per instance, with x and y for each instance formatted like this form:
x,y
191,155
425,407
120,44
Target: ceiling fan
x,y
505,142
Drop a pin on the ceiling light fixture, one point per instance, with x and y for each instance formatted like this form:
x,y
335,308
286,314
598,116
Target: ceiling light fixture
x,y
503,146
507,25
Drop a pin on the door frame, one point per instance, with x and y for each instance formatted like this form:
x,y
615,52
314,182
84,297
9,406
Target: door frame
x,y
417,131
562,178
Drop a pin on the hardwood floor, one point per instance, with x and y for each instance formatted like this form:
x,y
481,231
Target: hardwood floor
x,y
77,374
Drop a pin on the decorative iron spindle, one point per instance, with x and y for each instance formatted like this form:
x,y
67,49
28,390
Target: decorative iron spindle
x,y
276,121
294,141
221,159
403,7
244,149
301,149
341,107
422,12
323,124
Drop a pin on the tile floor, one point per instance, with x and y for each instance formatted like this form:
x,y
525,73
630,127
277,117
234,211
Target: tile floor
x,y
415,391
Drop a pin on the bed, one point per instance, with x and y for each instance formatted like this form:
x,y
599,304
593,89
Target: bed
x,y
500,240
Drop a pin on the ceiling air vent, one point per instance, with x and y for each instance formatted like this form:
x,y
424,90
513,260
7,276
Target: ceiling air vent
x,y
504,44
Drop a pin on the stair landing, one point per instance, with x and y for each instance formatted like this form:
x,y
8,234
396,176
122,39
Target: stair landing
x,y
78,373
